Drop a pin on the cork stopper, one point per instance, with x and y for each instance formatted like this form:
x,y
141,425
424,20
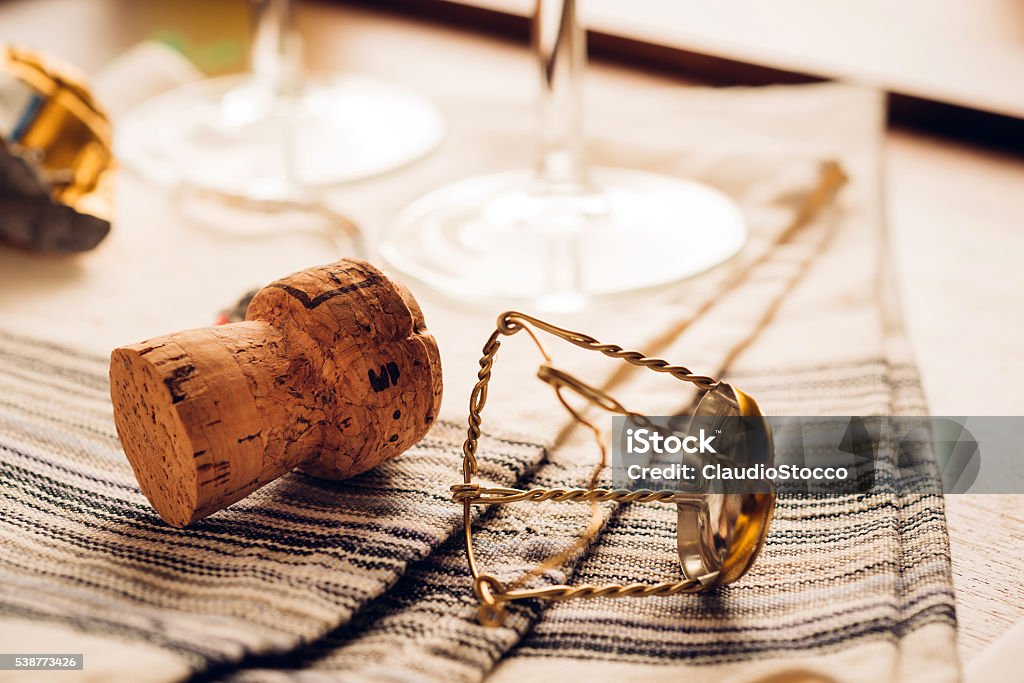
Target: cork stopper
x,y
333,371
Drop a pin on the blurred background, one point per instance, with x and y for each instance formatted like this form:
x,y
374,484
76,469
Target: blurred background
x,y
945,61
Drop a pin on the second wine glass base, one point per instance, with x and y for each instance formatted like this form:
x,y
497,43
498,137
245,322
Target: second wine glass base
x,y
236,136
505,237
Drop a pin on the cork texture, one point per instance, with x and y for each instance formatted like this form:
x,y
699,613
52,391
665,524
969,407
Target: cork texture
x,y
333,371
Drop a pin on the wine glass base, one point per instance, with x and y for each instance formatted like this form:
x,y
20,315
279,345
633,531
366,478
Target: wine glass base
x,y
504,237
235,136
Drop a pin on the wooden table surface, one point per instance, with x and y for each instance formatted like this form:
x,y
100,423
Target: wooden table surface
x,y
966,52
955,215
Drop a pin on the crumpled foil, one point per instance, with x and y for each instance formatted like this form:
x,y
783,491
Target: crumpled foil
x,y
56,156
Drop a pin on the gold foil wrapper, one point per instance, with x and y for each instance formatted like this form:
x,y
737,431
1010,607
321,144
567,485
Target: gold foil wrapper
x,y
56,156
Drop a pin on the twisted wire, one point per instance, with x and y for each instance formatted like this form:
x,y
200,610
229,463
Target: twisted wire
x,y
491,592
512,321
475,495
493,595
614,590
477,401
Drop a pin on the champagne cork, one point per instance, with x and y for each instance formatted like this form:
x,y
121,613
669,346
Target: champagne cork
x,y
332,372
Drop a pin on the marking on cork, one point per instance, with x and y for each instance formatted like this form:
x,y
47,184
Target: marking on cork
x,y
173,383
303,298
386,377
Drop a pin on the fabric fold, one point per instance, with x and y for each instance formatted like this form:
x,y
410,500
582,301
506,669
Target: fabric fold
x,y
281,568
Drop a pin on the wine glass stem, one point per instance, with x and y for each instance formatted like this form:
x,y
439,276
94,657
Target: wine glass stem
x,y
275,57
560,44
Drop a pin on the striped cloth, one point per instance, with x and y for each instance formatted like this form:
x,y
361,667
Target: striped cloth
x,y
82,547
370,572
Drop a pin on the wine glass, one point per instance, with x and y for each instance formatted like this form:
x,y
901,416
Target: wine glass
x,y
562,233
277,133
